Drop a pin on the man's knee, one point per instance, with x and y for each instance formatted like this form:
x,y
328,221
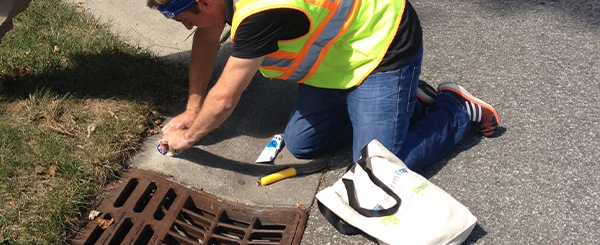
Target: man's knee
x,y
300,146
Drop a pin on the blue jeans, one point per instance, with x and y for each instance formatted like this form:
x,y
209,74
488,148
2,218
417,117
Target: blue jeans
x,y
380,108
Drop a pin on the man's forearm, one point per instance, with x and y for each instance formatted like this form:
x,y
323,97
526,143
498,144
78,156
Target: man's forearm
x,y
202,61
224,96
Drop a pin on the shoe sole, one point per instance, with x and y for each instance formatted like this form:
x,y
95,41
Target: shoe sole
x,y
426,93
468,96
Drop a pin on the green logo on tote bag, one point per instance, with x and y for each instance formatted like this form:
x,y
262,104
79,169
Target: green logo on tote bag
x,y
390,219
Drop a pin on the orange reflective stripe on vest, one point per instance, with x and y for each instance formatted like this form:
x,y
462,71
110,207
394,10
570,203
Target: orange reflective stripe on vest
x,y
346,41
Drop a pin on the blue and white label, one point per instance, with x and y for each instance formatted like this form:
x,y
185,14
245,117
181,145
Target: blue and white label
x,y
273,144
401,171
271,150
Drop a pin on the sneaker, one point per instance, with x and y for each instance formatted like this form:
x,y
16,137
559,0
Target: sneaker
x,y
479,111
425,93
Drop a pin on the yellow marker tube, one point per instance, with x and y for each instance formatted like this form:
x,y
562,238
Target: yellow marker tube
x,y
272,178
293,171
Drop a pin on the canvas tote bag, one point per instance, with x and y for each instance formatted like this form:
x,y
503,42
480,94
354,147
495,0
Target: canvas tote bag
x,y
380,196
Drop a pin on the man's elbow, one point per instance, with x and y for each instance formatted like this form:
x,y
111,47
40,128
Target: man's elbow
x,y
225,103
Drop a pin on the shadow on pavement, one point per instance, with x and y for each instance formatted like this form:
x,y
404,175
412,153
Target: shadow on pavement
x,y
477,233
217,161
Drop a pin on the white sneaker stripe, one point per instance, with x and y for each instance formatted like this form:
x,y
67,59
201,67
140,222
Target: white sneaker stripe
x,y
474,116
468,108
480,112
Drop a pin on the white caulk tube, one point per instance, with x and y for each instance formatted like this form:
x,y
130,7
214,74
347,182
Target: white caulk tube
x,y
271,150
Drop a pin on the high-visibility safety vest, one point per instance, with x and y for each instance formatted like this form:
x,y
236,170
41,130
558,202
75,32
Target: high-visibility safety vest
x,y
346,41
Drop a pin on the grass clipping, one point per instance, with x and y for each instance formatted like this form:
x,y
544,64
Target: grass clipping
x,y
75,103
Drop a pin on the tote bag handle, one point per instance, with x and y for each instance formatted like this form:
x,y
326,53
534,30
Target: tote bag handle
x,y
351,191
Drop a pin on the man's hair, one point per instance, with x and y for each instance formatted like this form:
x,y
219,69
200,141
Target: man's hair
x,y
156,3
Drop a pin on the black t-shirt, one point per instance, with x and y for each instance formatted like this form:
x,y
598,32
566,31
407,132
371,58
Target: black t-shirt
x,y
258,34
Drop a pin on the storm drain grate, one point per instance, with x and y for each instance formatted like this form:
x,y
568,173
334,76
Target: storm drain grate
x,y
149,208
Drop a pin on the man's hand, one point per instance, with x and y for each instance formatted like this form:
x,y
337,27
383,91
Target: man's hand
x,y
180,122
176,126
175,142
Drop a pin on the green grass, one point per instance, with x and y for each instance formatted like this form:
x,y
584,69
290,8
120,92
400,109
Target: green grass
x,y
75,104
